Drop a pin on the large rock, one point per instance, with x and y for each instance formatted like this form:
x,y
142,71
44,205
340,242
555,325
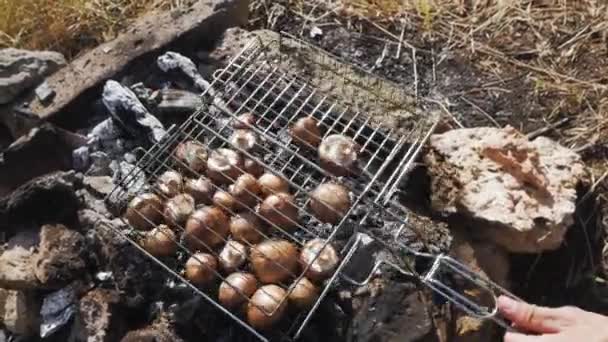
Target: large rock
x,y
48,198
197,25
519,193
19,312
42,150
23,69
17,269
61,256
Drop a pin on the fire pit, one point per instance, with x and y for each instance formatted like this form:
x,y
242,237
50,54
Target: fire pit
x,y
331,173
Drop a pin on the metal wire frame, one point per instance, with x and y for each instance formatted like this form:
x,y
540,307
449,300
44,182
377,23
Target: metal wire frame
x,y
300,171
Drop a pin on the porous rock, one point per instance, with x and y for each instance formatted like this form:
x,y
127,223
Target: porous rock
x,y
19,311
51,197
519,193
42,150
23,69
159,331
99,317
17,269
61,255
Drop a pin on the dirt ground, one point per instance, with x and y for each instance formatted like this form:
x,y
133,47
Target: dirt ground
x,y
537,66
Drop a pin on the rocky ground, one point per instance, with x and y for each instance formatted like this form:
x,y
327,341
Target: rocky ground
x,y
512,182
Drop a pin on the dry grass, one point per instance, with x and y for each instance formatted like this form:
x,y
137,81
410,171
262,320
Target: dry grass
x,y
69,26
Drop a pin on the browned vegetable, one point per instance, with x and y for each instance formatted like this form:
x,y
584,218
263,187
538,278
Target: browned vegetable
x,y
330,202
224,166
274,261
246,227
232,256
236,289
160,241
272,184
324,264
243,139
245,191
206,228
244,121
193,155
200,189
303,294
305,132
338,155
266,307
170,183
177,209
201,269
279,209
144,211
224,201
253,167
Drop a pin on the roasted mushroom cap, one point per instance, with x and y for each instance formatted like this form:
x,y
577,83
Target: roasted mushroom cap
x,y
244,121
177,209
206,228
243,139
246,227
253,167
322,261
245,191
280,210
145,211
160,241
201,269
303,294
232,256
224,201
305,132
193,155
274,261
272,184
266,307
338,155
330,202
224,166
236,289
170,183
200,189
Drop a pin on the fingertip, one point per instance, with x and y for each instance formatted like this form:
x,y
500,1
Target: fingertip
x,y
507,305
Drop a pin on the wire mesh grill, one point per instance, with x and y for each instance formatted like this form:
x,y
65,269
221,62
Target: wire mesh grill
x,y
257,81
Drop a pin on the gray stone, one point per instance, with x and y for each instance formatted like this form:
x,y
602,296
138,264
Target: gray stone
x,y
100,164
17,269
44,92
61,256
520,193
22,69
126,109
99,185
19,312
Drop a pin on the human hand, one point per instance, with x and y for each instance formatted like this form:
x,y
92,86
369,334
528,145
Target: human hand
x,y
564,324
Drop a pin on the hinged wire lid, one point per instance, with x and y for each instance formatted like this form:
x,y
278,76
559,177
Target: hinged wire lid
x,y
272,79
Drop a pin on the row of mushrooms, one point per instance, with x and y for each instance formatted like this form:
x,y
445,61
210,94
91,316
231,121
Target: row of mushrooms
x,y
228,219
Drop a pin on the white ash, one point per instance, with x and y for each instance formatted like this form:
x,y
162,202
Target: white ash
x,y
126,109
